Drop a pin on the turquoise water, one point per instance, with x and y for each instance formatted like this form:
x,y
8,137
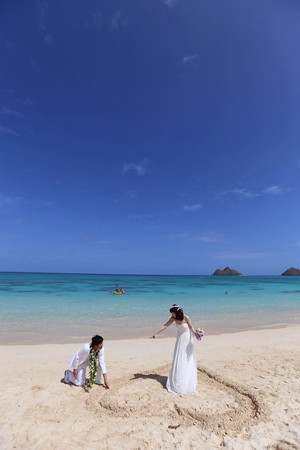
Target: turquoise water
x,y
38,307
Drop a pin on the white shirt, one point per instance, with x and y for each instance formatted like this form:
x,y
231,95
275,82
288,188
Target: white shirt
x,y
81,358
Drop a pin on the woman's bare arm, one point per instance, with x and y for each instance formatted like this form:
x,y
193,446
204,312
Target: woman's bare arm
x,y
171,320
188,321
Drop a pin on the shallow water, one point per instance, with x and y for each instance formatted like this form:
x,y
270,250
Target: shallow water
x,y
39,307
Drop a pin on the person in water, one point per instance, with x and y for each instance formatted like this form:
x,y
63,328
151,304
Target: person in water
x,y
119,290
182,378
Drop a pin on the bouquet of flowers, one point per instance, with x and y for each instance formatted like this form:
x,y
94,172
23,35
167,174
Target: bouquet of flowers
x,y
199,334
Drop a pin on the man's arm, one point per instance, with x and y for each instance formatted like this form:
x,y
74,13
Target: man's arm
x,y
105,381
79,357
103,367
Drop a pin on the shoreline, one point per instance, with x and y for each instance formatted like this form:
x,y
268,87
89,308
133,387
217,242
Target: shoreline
x,y
61,340
248,395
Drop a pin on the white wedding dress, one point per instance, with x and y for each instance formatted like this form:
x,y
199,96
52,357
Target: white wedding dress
x,y
183,374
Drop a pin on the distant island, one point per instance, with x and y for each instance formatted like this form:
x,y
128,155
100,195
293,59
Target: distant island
x,y
227,272
292,272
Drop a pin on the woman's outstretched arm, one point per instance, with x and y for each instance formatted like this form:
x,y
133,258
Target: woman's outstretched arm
x,y
171,320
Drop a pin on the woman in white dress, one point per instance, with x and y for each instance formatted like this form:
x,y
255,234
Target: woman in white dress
x,y
183,375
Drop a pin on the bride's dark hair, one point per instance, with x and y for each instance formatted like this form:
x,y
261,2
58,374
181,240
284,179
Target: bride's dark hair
x,y
178,311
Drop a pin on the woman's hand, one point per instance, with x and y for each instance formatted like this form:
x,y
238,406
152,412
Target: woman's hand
x,y
153,336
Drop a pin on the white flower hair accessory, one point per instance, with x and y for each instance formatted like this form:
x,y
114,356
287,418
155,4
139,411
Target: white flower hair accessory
x,y
178,307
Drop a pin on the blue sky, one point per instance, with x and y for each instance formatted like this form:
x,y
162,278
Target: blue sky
x,y
156,137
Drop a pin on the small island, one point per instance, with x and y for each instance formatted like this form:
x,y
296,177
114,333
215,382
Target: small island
x,y
227,272
292,272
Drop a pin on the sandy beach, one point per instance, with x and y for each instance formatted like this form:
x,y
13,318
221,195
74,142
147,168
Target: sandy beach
x,y
248,386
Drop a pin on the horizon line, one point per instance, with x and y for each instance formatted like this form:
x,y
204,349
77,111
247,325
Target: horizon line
x,y
144,274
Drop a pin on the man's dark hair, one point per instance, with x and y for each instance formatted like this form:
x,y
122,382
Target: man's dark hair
x,y
96,340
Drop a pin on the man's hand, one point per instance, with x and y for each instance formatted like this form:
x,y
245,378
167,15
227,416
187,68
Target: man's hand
x,y
75,373
105,381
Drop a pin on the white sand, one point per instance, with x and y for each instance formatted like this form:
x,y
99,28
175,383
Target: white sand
x,y
249,396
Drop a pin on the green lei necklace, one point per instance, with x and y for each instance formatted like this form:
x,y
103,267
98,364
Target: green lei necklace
x,y
93,368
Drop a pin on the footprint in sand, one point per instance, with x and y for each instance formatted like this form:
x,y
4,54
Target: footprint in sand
x,y
38,388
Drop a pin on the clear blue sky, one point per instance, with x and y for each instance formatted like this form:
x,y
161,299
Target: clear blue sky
x,y
156,137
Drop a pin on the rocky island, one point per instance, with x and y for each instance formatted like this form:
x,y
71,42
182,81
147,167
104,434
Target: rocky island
x,y
292,272
227,272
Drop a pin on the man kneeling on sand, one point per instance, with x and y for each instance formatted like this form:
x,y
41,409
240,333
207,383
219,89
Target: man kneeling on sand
x,y
81,360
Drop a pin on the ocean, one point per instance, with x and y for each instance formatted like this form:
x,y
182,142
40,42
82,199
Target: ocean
x,y
64,308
